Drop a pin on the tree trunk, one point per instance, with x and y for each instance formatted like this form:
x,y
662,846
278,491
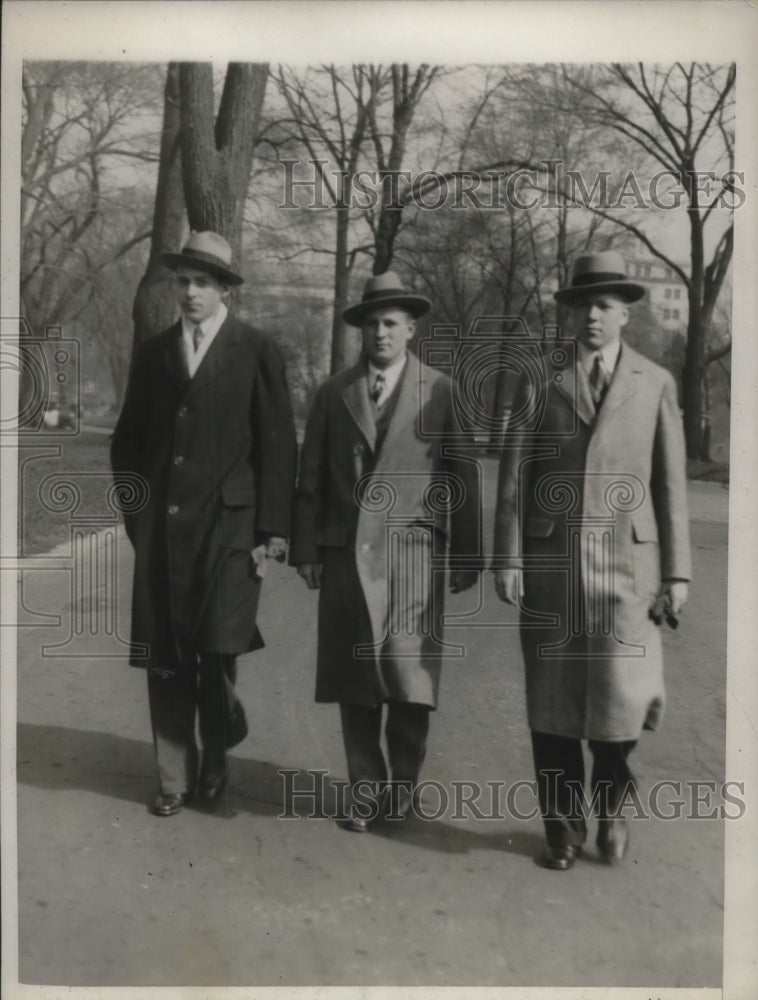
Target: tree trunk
x,y
341,290
154,305
384,241
217,157
692,381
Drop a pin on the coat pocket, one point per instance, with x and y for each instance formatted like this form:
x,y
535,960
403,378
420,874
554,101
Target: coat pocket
x,y
538,527
645,556
236,519
644,527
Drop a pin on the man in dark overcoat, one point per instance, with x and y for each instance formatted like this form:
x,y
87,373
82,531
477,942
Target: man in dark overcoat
x,y
592,541
207,424
388,488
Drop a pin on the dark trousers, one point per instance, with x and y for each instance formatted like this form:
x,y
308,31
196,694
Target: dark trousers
x,y
405,731
559,765
177,697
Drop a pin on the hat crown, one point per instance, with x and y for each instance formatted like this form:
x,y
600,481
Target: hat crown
x,y
211,244
606,262
383,284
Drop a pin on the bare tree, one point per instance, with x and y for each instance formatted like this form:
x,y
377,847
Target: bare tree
x,y
330,111
204,172
389,149
87,138
154,308
217,152
682,117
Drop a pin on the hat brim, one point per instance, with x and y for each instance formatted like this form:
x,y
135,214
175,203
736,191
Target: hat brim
x,y
629,291
416,305
174,260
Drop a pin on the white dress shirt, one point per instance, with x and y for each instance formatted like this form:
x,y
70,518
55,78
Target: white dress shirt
x,y
391,378
609,355
210,328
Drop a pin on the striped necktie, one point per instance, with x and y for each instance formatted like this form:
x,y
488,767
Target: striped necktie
x,y
377,389
599,379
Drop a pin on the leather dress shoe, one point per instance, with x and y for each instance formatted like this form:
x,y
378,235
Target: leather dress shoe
x,y
562,857
400,801
169,805
212,786
358,824
613,839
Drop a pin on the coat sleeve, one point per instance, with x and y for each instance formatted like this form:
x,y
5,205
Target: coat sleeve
x,y
275,444
311,492
509,515
466,517
129,439
669,487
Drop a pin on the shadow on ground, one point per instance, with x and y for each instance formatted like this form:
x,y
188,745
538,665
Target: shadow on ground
x,y
56,758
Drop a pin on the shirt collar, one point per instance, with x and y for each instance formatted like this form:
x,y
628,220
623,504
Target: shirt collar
x,y
391,374
210,326
609,354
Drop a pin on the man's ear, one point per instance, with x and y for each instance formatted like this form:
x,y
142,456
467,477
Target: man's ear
x,y
625,315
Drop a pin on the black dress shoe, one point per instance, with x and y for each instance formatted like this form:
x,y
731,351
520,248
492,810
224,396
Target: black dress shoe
x,y
613,839
169,805
400,801
561,858
358,824
212,786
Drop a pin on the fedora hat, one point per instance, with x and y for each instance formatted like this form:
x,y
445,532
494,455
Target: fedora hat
x,y
206,252
383,290
595,273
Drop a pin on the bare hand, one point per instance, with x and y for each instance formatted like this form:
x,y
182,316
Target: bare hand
x,y
462,579
674,594
509,584
311,573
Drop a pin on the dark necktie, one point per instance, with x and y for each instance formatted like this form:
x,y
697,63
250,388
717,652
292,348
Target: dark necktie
x,y
599,379
197,336
378,388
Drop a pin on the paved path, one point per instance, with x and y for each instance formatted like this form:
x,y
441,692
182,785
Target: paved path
x,y
110,895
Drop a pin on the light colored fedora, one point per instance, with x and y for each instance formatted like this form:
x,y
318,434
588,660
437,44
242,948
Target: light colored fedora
x,y
382,290
206,252
595,273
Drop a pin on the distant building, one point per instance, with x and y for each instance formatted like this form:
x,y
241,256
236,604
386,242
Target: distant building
x,y
667,292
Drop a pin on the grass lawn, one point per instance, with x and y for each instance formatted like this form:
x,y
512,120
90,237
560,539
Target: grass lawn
x,y
46,506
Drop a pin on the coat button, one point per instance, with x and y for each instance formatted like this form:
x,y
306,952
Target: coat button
x,y
178,459
173,509
182,411
365,547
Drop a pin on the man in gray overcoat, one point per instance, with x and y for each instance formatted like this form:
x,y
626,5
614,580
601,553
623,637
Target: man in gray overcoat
x,y
591,540
207,424
388,491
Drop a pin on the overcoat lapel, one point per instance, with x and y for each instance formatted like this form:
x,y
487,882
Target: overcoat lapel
x,y
575,389
623,384
405,415
222,353
355,397
173,356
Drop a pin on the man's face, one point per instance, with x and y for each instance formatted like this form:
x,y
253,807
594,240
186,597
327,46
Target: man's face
x,y
386,333
597,320
199,293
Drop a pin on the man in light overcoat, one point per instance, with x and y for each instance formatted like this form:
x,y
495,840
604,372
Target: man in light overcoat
x,y
388,494
207,424
591,540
